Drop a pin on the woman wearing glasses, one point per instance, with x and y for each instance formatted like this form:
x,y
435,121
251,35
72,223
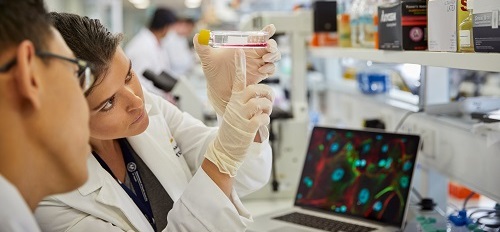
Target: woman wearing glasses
x,y
146,154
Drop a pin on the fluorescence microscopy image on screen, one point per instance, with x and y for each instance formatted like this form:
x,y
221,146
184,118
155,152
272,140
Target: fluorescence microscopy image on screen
x,y
358,173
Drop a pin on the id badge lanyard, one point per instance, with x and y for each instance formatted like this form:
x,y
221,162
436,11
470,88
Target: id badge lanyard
x,y
141,199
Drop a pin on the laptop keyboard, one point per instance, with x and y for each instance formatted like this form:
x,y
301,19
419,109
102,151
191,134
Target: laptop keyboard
x,y
322,223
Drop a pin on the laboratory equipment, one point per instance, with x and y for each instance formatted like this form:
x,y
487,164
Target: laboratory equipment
x,y
233,39
469,105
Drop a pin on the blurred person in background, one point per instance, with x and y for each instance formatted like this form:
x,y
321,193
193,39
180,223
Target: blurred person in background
x,y
146,51
176,45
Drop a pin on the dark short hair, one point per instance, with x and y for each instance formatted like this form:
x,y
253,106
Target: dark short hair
x,y
89,40
161,18
24,20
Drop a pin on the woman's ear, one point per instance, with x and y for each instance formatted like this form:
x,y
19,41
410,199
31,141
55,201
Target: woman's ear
x,y
26,78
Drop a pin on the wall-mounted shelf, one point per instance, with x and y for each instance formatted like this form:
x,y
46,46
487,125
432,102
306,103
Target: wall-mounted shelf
x,y
470,61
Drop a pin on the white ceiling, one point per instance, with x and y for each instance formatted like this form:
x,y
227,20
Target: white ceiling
x,y
177,5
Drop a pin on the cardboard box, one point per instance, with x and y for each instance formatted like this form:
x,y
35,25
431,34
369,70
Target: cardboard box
x,y
403,26
486,31
440,15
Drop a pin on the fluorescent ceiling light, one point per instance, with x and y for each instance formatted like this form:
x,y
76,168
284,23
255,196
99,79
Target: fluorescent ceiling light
x,y
140,4
143,5
136,1
192,3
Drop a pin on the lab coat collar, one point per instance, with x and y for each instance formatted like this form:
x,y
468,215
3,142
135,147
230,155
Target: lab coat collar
x,y
155,154
95,177
110,193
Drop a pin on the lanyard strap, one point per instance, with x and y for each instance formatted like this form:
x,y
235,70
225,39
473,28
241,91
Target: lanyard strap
x,y
141,199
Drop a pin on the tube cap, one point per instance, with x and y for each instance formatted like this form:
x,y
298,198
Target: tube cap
x,y
204,37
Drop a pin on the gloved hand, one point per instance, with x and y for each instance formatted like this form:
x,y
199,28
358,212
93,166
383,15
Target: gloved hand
x,y
247,111
218,66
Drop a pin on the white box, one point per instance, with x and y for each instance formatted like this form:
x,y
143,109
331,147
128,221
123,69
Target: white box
x,y
441,21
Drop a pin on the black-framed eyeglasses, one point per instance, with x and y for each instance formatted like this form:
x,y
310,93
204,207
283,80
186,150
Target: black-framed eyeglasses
x,y
85,76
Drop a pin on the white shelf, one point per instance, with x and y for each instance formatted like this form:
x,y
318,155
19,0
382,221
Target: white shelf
x,y
471,61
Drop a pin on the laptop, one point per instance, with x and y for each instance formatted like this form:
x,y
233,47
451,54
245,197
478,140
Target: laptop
x,y
352,180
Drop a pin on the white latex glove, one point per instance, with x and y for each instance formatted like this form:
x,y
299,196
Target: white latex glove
x,y
247,111
218,66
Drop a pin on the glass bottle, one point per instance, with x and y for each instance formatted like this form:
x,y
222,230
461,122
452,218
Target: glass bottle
x,y
465,39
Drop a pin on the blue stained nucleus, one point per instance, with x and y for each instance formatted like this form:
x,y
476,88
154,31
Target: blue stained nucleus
x,y
363,196
299,196
404,181
360,163
334,147
330,135
385,148
379,137
388,164
338,174
308,181
377,206
343,209
381,163
366,148
349,147
404,140
407,166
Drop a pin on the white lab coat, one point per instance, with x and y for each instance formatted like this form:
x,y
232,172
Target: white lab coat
x,y
146,52
15,215
179,54
200,205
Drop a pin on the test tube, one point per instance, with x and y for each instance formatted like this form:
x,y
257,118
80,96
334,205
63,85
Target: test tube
x,y
233,39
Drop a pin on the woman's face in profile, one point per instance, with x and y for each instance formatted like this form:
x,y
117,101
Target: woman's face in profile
x,y
117,102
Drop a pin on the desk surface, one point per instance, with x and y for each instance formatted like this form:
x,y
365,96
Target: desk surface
x,y
259,207
262,206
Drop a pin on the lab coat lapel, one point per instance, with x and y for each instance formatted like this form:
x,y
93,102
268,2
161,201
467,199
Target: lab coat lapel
x,y
112,194
156,151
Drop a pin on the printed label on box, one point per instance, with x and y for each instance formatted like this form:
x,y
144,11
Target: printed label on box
x,y
464,38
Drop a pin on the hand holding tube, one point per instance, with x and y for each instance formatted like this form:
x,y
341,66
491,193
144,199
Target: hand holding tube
x,y
219,65
247,111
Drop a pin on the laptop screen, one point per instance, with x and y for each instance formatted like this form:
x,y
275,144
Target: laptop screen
x,y
364,174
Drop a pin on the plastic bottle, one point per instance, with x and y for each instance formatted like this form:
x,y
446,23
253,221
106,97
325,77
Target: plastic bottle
x,y
354,22
367,27
465,39
343,23
233,39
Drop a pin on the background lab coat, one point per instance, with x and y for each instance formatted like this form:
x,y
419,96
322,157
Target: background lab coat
x,y
199,204
146,52
179,54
